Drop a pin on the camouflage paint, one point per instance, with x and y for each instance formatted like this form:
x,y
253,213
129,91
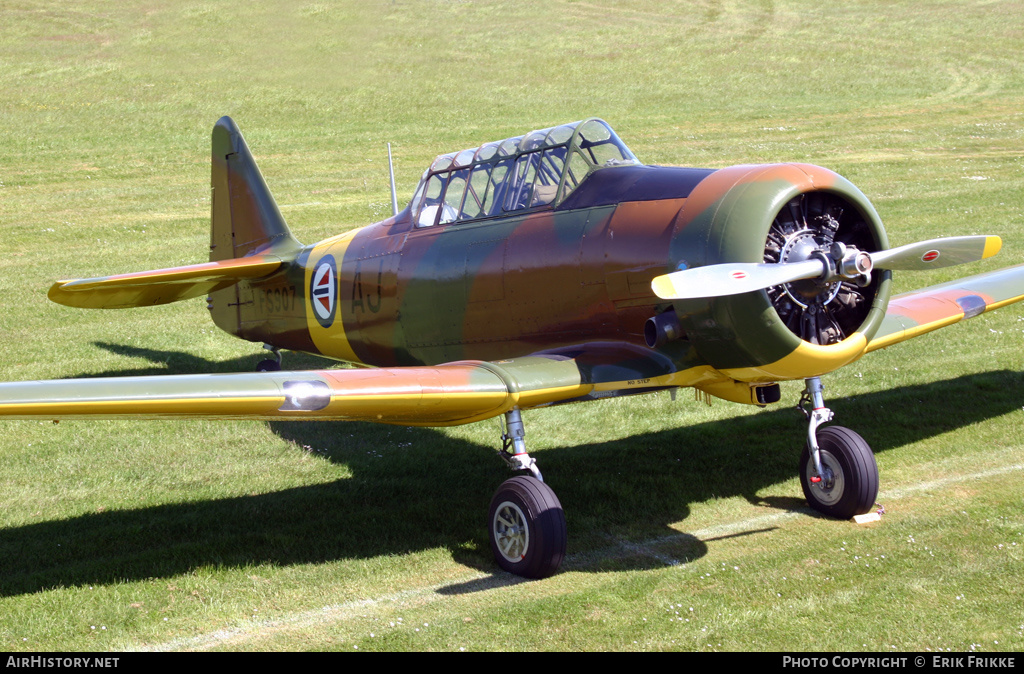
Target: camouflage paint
x,y
454,393
561,280
246,221
161,286
556,299
920,311
564,281
726,219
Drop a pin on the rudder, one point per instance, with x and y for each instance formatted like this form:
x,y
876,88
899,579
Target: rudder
x,y
245,218
244,222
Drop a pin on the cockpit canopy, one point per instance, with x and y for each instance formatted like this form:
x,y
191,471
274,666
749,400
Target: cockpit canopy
x,y
515,175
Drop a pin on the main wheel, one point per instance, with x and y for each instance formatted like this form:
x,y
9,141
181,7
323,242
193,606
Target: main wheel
x,y
850,485
527,527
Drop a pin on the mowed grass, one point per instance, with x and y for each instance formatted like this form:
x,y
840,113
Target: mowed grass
x,y
687,525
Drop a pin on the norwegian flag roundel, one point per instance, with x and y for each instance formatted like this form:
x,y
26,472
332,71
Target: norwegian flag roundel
x,y
323,291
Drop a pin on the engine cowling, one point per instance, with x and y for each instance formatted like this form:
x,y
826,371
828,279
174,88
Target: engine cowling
x,y
779,213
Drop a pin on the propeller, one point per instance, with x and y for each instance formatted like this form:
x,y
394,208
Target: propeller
x,y
839,263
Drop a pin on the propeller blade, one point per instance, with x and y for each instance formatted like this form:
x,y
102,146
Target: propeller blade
x,y
937,253
718,280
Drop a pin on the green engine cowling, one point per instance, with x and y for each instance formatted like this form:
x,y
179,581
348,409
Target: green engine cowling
x,y
779,213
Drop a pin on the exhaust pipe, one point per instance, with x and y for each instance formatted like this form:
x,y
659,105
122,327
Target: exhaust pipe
x,y
662,329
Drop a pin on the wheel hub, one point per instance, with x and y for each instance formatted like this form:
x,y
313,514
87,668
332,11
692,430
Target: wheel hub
x,y
832,482
510,531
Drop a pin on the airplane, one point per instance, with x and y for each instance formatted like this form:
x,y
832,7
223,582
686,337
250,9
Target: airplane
x,y
544,269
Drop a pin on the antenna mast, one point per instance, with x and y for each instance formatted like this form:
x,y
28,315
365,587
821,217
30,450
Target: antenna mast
x,y
394,195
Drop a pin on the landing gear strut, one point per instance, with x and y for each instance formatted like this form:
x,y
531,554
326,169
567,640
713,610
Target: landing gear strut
x,y
526,521
513,445
838,472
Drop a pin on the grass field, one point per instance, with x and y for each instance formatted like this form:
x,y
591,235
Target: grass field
x,y
687,526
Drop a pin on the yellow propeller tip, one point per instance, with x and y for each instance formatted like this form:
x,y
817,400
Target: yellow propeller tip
x,y
662,287
992,246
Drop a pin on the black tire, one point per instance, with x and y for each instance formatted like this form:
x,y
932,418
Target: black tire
x,y
526,525
854,486
268,365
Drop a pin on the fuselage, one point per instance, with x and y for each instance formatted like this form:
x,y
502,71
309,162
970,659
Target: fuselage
x,y
547,244
552,280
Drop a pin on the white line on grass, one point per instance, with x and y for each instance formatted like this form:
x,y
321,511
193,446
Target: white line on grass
x,y
938,484
328,614
884,495
250,629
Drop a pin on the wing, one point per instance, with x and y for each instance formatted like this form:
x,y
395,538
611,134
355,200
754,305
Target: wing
x,y
920,311
442,395
146,288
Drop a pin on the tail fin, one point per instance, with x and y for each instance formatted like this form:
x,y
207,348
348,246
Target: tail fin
x,y
245,223
244,218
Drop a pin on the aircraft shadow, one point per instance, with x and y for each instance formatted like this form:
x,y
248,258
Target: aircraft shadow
x,y
177,362
415,489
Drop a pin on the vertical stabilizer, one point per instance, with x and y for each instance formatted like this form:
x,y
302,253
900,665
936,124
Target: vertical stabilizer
x,y
245,218
245,221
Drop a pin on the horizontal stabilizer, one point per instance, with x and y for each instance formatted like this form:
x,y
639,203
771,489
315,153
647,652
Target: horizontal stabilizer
x,y
442,395
160,286
920,311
